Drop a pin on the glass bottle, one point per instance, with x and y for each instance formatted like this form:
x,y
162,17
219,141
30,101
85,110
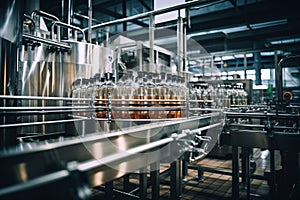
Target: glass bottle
x,y
130,87
164,95
229,96
139,94
172,93
119,96
107,90
183,96
83,95
151,94
96,94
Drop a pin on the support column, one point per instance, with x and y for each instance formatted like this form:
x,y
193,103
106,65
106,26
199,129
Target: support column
x,y
180,42
257,66
278,79
126,181
109,190
90,21
151,42
235,172
176,177
124,8
155,180
245,66
143,183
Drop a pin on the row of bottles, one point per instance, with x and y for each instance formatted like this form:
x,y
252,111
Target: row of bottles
x,y
218,95
145,95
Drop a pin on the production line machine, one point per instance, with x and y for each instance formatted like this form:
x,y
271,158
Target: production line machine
x,y
75,116
70,124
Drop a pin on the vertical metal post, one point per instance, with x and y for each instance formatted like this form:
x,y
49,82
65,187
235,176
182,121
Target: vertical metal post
x,y
109,190
70,16
246,169
143,183
179,42
107,36
176,177
90,14
273,173
184,40
155,180
184,168
126,182
278,78
257,66
124,8
235,172
245,66
151,41
62,10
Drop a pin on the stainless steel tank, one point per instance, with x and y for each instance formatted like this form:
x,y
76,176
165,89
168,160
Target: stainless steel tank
x,y
48,73
11,21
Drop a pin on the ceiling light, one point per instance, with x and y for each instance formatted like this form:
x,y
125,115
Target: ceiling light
x,y
227,57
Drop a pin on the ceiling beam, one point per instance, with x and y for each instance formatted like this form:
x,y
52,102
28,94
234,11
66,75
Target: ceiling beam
x,y
145,5
118,16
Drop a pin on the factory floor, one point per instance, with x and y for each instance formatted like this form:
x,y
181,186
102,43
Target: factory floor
x,y
211,186
217,186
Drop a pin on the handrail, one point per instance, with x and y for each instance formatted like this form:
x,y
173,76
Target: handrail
x,y
150,13
44,14
58,23
30,19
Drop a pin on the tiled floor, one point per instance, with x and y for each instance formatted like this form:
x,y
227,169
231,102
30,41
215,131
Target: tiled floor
x,y
212,185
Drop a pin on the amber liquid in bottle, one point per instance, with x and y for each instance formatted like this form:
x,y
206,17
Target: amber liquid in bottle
x,y
173,97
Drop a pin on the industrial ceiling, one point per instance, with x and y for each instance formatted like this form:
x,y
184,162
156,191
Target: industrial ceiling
x,y
223,27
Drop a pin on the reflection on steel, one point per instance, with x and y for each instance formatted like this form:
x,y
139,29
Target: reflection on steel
x,y
98,152
38,123
96,164
37,182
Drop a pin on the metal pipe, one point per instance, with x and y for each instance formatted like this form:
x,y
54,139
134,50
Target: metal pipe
x,y
44,14
261,126
62,10
180,42
151,40
70,15
43,108
185,69
90,14
86,17
42,98
36,182
46,41
245,66
153,12
57,23
30,19
259,115
39,123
